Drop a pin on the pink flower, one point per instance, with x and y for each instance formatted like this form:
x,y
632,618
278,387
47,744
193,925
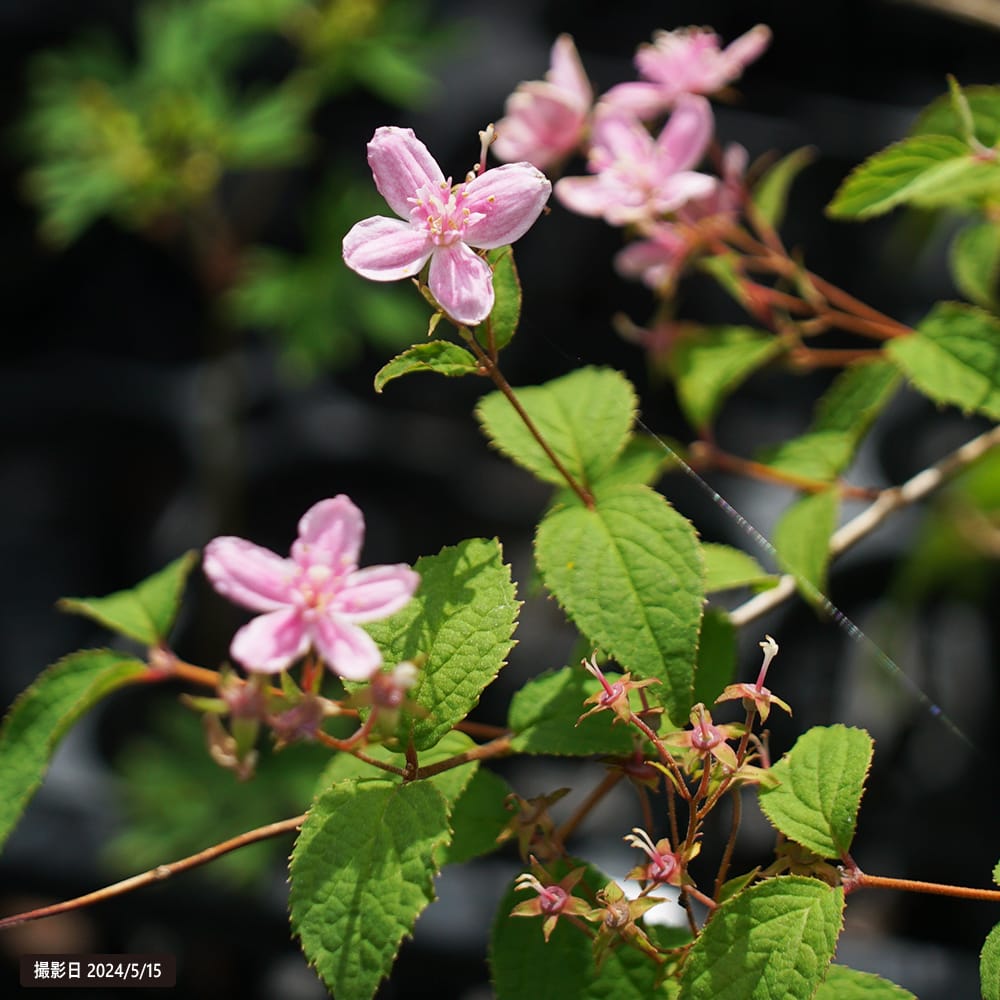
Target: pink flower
x,y
441,223
639,178
544,119
687,61
317,598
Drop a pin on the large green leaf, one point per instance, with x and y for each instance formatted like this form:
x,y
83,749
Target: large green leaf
x,y
439,356
458,629
147,611
802,539
726,568
478,816
929,171
975,263
773,941
716,656
989,965
42,714
856,397
585,417
941,117
954,357
544,713
821,781
362,870
523,965
816,455
843,983
708,363
629,573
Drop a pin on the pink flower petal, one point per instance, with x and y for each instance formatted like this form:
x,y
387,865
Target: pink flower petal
x,y
687,133
619,138
567,72
539,126
377,592
462,283
348,650
248,574
644,100
681,188
401,165
510,198
386,249
331,533
271,642
584,195
746,49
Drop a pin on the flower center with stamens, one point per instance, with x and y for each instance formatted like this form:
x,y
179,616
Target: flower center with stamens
x,y
553,899
442,211
705,737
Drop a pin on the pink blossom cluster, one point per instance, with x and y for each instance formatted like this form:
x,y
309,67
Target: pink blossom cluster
x,y
648,182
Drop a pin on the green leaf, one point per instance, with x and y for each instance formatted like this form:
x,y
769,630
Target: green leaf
x,y
843,983
709,363
727,568
716,656
989,965
954,357
458,629
802,538
642,460
543,716
817,455
451,784
629,574
941,118
928,171
147,611
477,818
506,312
975,263
774,941
42,714
822,779
523,965
855,398
439,356
770,193
362,870
585,417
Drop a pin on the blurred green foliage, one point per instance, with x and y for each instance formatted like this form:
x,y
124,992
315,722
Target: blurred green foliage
x,y
148,139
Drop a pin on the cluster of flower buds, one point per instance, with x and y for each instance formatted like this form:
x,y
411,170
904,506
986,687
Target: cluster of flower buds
x,y
646,182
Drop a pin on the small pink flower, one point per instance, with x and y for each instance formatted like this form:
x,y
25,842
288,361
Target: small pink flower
x,y
639,178
544,119
317,598
441,223
686,61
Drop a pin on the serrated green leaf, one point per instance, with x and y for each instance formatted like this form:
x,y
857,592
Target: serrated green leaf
x,y
822,779
954,357
975,263
708,363
716,656
523,965
774,941
802,539
629,573
940,117
439,356
928,171
543,716
147,611
770,193
458,627
506,313
843,983
477,818
42,714
989,965
642,460
727,568
362,870
585,417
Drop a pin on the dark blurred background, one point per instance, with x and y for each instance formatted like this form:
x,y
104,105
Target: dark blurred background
x,y
167,378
